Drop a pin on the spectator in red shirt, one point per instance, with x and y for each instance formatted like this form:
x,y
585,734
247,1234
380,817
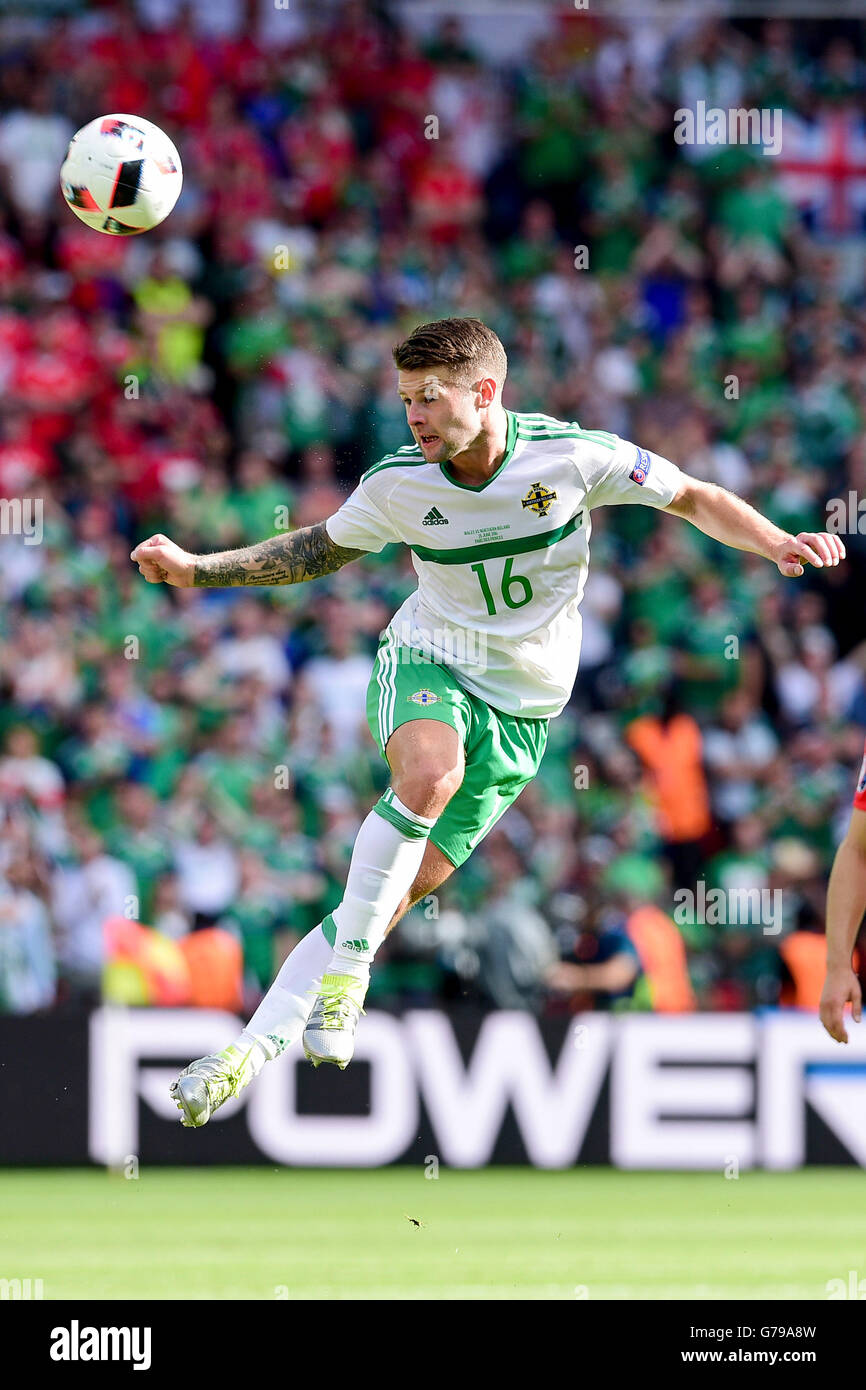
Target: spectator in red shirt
x,y
446,198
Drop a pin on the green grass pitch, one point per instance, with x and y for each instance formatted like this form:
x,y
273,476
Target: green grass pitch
x,y
593,1233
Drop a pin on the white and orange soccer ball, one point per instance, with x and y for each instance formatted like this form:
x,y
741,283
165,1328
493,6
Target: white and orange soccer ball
x,y
122,175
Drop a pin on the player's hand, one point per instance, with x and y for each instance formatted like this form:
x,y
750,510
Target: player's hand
x,y
818,548
840,988
161,561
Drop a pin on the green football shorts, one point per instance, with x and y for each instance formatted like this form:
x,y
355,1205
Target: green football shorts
x,y
502,751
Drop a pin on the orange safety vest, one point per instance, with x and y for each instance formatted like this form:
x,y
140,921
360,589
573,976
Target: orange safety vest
x,y
805,954
216,966
662,954
672,756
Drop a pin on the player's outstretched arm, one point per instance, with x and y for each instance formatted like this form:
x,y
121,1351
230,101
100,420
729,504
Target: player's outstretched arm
x,y
846,903
727,518
289,559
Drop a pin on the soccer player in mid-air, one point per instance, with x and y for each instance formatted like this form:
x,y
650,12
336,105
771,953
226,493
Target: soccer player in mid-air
x,y
495,507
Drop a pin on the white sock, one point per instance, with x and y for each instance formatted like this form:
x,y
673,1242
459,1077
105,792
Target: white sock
x,y
386,857
385,860
282,1015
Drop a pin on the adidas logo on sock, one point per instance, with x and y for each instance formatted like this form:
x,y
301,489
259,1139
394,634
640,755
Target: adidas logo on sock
x,y
435,518
362,945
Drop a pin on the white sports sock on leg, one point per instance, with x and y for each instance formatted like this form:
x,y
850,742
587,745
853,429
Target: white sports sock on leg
x,y
281,1016
386,857
385,860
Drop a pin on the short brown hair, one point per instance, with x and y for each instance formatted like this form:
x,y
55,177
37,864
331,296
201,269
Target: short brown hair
x,y
467,347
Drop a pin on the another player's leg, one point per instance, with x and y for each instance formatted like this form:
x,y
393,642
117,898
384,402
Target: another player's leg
x,y
427,763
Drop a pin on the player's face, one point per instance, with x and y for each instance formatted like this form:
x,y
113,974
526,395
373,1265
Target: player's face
x,y
442,415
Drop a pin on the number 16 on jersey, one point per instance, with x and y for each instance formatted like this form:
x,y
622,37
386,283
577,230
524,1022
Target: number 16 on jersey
x,y
515,588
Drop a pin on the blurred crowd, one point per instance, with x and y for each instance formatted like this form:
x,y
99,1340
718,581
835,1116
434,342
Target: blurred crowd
x,y
200,762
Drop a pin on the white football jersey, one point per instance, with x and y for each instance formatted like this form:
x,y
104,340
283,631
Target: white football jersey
x,y
502,566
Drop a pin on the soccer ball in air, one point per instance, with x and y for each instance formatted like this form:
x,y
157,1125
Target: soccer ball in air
x,y
122,175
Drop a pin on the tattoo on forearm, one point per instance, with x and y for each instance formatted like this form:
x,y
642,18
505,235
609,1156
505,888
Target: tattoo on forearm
x,y
289,559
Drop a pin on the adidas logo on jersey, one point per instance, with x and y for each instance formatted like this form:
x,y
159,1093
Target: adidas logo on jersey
x,y
361,945
435,518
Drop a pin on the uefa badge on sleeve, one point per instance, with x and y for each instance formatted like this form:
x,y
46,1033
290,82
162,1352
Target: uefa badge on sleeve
x,y
640,471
